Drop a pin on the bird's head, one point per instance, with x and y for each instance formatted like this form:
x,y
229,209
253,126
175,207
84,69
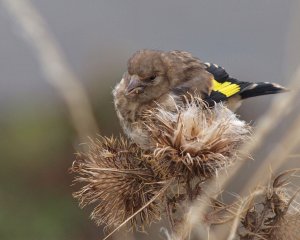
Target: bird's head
x,y
146,77
152,73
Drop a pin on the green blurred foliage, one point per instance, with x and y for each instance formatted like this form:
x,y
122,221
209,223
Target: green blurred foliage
x,y
35,194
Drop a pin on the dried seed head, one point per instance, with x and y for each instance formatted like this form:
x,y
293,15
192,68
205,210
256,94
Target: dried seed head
x,y
125,182
195,140
276,214
287,228
117,180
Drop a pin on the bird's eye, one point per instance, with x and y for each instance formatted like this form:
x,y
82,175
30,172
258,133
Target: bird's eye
x,y
151,78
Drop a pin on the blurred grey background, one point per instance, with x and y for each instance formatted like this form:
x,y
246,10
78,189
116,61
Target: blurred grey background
x,y
254,40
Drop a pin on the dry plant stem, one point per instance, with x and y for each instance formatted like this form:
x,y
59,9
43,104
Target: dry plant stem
x,y
276,113
236,222
169,216
193,221
54,65
276,157
243,205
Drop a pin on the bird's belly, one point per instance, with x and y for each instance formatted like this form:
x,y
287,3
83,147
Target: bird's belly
x,y
133,125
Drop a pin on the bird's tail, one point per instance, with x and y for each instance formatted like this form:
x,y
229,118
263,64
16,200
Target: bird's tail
x,y
261,88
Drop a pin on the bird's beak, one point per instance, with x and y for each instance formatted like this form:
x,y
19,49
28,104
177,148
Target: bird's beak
x,y
135,86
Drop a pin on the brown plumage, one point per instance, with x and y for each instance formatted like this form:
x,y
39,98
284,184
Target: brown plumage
x,y
159,78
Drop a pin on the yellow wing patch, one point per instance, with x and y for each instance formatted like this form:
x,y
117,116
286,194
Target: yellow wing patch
x,y
227,88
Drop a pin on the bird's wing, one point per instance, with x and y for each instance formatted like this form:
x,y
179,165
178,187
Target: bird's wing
x,y
224,86
189,75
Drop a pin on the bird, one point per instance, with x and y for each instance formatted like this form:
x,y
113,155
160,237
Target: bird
x,y
156,77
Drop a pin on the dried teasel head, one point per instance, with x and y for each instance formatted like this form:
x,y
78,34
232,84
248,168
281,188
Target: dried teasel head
x,y
120,184
271,212
276,215
128,184
195,140
287,228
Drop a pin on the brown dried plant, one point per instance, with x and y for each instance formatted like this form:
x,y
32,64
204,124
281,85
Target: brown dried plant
x,y
269,213
130,185
118,182
276,214
195,141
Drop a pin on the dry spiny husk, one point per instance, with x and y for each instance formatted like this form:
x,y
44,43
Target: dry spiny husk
x,y
129,184
118,182
194,140
277,215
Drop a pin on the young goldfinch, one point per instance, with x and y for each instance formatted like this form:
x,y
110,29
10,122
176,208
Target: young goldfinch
x,y
157,78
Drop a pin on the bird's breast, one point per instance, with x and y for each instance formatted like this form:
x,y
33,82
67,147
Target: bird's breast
x,y
131,114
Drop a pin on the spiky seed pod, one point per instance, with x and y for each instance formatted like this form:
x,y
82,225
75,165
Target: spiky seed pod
x,y
119,182
284,203
195,140
286,228
125,182
276,216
